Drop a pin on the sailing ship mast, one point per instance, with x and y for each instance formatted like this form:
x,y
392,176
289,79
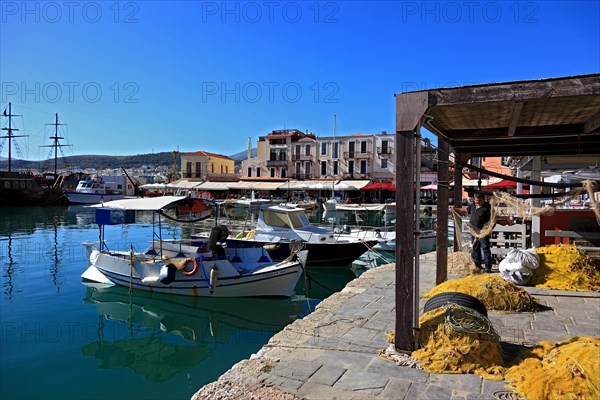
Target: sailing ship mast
x,y
10,135
56,144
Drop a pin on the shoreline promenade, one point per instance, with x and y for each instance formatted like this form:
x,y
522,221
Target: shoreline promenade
x,y
333,352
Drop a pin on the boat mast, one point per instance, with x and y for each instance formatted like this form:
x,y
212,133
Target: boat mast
x,y
10,136
56,144
333,165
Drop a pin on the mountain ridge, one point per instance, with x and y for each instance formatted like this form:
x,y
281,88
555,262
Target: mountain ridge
x,y
98,161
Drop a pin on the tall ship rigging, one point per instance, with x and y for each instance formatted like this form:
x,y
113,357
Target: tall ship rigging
x,y
23,188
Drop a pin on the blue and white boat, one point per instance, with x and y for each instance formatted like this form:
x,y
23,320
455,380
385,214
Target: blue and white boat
x,y
208,268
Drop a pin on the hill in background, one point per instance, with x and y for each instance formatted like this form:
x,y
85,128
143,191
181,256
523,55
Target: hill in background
x,y
164,159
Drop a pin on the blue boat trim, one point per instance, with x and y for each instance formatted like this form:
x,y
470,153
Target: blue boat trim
x,y
116,277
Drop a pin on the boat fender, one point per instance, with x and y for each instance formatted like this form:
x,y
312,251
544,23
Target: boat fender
x,y
167,274
271,246
224,233
214,275
194,270
215,235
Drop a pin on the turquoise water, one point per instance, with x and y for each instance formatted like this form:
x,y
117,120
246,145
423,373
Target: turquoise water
x,y
62,339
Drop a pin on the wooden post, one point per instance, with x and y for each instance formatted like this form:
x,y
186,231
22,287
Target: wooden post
x,y
442,213
458,170
405,251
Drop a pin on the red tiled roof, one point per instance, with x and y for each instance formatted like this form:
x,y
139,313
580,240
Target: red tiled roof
x,y
207,154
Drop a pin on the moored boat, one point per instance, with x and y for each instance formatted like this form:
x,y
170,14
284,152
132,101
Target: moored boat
x,y
24,188
278,226
94,191
205,269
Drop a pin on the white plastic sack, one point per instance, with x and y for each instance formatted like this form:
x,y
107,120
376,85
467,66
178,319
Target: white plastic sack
x,y
527,258
516,277
518,265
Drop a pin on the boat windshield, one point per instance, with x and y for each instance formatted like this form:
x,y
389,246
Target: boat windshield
x,y
299,219
276,219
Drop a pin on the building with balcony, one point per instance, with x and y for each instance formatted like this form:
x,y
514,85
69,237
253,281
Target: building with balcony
x,y
202,165
297,155
360,156
282,154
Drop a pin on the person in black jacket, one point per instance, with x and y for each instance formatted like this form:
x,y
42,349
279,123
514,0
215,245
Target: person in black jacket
x,y
479,212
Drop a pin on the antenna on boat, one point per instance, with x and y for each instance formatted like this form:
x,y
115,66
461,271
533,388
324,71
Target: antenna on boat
x,y
56,144
10,136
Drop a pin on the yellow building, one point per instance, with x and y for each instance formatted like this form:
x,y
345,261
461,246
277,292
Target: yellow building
x,y
207,166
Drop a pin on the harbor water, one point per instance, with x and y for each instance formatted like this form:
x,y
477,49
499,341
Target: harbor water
x,y
63,339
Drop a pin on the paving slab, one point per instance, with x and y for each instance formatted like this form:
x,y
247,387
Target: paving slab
x,y
333,353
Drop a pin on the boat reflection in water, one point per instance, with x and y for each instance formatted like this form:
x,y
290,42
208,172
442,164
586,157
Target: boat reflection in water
x,y
159,336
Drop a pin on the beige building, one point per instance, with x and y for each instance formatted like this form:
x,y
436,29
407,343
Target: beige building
x,y
293,154
207,166
282,154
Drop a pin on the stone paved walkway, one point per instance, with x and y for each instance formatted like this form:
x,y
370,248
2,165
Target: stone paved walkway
x,y
333,352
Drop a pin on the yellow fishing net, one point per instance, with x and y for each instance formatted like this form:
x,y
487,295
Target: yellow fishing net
x,y
457,340
566,267
564,370
493,291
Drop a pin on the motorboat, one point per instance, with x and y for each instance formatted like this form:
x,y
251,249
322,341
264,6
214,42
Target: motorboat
x,y
94,191
301,199
206,268
252,203
280,225
387,239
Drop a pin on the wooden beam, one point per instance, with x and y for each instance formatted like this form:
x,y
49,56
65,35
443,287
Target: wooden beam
x,y
523,132
442,213
517,91
514,117
410,108
541,149
592,124
405,251
510,142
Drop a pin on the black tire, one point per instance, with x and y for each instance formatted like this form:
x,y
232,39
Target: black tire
x,y
462,299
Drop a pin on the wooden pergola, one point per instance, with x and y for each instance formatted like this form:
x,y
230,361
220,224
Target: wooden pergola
x,y
547,117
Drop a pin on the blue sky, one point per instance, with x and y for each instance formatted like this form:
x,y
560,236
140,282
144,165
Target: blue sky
x,y
150,76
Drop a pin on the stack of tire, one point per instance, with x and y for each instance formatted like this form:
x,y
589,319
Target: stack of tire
x,y
462,299
456,336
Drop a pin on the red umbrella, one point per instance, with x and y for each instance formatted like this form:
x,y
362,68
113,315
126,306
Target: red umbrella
x,y
505,183
379,186
433,186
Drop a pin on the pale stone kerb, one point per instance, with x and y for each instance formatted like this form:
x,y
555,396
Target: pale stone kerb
x,y
410,108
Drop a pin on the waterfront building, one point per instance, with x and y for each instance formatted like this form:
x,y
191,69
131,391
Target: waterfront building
x,y
202,165
293,154
282,154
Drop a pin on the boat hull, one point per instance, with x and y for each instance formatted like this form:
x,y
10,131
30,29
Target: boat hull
x,y
330,254
276,280
21,189
91,198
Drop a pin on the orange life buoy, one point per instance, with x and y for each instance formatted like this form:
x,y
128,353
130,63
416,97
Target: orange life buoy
x,y
194,270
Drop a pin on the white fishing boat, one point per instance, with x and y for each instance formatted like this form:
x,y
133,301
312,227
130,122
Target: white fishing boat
x,y
387,239
252,203
301,199
208,268
94,191
279,226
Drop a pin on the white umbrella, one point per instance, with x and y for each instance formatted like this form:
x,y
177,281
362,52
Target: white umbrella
x,y
344,186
